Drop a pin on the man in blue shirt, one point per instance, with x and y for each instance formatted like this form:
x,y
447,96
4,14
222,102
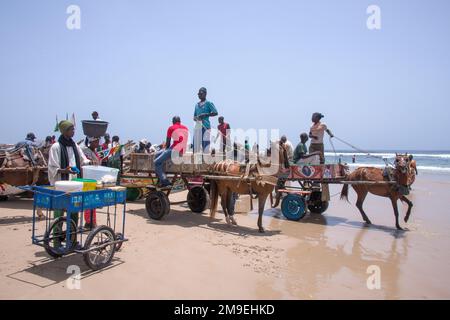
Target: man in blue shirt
x,y
203,110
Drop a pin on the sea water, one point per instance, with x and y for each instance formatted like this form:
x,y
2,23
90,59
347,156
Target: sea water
x,y
427,161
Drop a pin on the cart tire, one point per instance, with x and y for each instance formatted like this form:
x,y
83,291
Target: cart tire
x,y
57,250
315,203
119,236
198,199
293,207
99,258
157,205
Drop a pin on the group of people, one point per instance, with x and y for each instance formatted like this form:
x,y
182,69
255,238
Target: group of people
x,y
66,158
66,154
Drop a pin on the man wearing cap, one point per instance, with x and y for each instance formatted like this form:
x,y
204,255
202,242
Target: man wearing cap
x,y
65,155
65,161
27,144
316,134
204,109
30,140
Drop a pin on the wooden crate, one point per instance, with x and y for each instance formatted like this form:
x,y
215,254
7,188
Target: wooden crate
x,y
141,162
145,163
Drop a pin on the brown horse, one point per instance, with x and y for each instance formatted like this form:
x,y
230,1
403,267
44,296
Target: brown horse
x,y
262,188
394,192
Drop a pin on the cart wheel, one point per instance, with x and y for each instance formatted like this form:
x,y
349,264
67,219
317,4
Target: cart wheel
x,y
119,236
157,205
293,207
101,257
198,199
55,237
315,203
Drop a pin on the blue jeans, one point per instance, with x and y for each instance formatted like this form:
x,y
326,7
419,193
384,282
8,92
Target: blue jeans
x,y
160,158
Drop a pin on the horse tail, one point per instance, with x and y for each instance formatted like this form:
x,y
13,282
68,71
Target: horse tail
x,y
344,192
214,196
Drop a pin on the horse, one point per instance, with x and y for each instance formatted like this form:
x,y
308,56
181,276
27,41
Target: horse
x,y
400,174
262,188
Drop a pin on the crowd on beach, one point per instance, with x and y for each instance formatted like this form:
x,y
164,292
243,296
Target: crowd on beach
x,y
65,154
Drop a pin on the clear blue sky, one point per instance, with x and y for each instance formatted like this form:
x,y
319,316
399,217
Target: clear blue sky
x,y
266,64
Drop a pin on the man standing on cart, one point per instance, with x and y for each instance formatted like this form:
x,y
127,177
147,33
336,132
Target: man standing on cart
x,y
316,134
203,110
177,133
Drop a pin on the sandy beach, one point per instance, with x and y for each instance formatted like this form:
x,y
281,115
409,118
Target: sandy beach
x,y
186,256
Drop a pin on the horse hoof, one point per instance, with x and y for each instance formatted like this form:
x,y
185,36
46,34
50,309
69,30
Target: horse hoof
x,y
368,222
400,228
261,230
233,221
406,219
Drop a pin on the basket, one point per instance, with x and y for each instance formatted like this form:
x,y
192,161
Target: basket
x,y
94,129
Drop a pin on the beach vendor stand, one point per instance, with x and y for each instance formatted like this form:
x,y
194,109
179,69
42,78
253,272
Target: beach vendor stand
x,y
68,234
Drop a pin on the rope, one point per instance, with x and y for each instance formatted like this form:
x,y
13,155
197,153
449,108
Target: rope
x,y
363,151
334,150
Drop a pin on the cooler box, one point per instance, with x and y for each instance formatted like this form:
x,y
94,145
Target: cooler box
x,y
88,184
100,174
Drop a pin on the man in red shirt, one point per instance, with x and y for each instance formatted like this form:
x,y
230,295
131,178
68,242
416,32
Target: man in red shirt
x,y
177,133
224,133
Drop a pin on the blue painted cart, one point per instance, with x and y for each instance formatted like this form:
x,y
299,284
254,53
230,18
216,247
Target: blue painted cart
x,y
66,234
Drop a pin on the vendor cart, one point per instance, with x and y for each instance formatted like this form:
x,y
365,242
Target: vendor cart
x,y
67,234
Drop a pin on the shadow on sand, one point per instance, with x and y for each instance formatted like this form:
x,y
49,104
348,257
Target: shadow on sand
x,y
47,272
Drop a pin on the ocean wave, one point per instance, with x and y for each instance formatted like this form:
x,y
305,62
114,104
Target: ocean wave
x,y
420,168
388,155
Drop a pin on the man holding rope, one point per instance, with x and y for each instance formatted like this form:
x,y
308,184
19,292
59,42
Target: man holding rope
x,y
316,134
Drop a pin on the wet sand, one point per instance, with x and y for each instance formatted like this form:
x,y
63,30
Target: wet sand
x,y
187,257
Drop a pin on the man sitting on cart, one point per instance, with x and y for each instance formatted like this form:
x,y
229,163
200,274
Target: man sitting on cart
x,y
177,133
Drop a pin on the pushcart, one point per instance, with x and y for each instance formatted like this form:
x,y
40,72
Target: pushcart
x,y
67,234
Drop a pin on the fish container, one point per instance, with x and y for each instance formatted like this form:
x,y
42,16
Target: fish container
x,y
100,174
88,184
69,186
92,128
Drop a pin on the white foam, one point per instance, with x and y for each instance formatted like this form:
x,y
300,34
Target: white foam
x,y
388,155
420,168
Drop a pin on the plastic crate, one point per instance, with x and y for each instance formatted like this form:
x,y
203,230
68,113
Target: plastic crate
x,y
74,202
